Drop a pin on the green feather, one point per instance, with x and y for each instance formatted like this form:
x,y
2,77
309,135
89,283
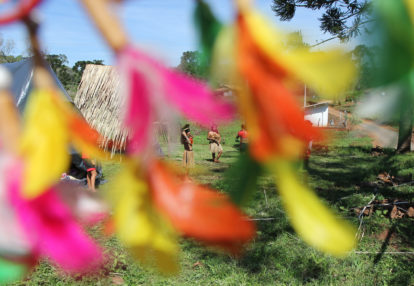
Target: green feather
x,y
240,180
208,28
395,33
10,272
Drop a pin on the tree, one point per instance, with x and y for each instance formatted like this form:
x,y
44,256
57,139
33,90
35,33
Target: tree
x,y
70,77
294,40
191,65
63,72
341,18
6,47
405,124
366,58
57,62
79,67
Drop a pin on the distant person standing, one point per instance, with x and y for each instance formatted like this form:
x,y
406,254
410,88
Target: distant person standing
x,y
214,138
345,123
91,172
308,147
243,138
187,141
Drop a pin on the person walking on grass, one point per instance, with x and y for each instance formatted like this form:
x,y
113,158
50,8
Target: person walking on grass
x,y
187,141
242,137
308,150
214,138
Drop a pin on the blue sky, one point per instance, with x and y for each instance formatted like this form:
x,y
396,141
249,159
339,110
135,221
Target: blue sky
x,y
162,26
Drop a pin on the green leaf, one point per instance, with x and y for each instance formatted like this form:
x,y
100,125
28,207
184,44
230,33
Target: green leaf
x,y
241,179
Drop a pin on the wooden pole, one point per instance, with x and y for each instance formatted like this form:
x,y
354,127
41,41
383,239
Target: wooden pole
x,y
304,97
9,123
107,23
41,76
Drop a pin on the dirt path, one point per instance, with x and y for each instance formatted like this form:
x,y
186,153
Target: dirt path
x,y
382,135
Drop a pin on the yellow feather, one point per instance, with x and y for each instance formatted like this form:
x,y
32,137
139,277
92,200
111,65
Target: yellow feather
x,y
224,61
410,5
44,145
77,140
93,151
139,226
291,147
224,69
311,219
328,73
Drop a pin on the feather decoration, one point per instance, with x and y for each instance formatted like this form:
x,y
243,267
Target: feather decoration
x,y
329,73
150,203
44,143
13,242
51,229
395,36
270,108
86,206
139,225
280,117
20,10
241,179
312,220
51,124
278,133
139,114
209,28
225,69
410,6
283,132
153,89
199,212
267,105
84,138
394,72
10,272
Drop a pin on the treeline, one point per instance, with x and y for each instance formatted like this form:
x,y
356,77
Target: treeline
x,y
69,76
364,57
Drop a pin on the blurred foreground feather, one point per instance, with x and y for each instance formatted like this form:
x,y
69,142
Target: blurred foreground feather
x,y
251,55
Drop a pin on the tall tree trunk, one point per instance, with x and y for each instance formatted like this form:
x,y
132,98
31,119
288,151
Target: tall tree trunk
x,y
406,117
405,130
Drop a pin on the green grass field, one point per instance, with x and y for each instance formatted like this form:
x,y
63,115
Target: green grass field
x,y
338,174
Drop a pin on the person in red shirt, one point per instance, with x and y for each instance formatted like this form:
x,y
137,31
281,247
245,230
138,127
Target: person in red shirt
x,y
243,138
90,171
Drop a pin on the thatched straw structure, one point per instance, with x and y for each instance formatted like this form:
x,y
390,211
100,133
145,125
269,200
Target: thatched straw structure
x,y
98,100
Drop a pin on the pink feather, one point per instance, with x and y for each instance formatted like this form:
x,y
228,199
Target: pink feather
x,y
194,99
51,228
191,97
138,117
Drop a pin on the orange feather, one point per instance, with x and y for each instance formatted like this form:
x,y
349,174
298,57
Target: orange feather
x,y
82,129
278,111
199,212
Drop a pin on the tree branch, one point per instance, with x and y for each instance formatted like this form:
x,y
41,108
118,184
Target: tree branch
x,y
338,36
